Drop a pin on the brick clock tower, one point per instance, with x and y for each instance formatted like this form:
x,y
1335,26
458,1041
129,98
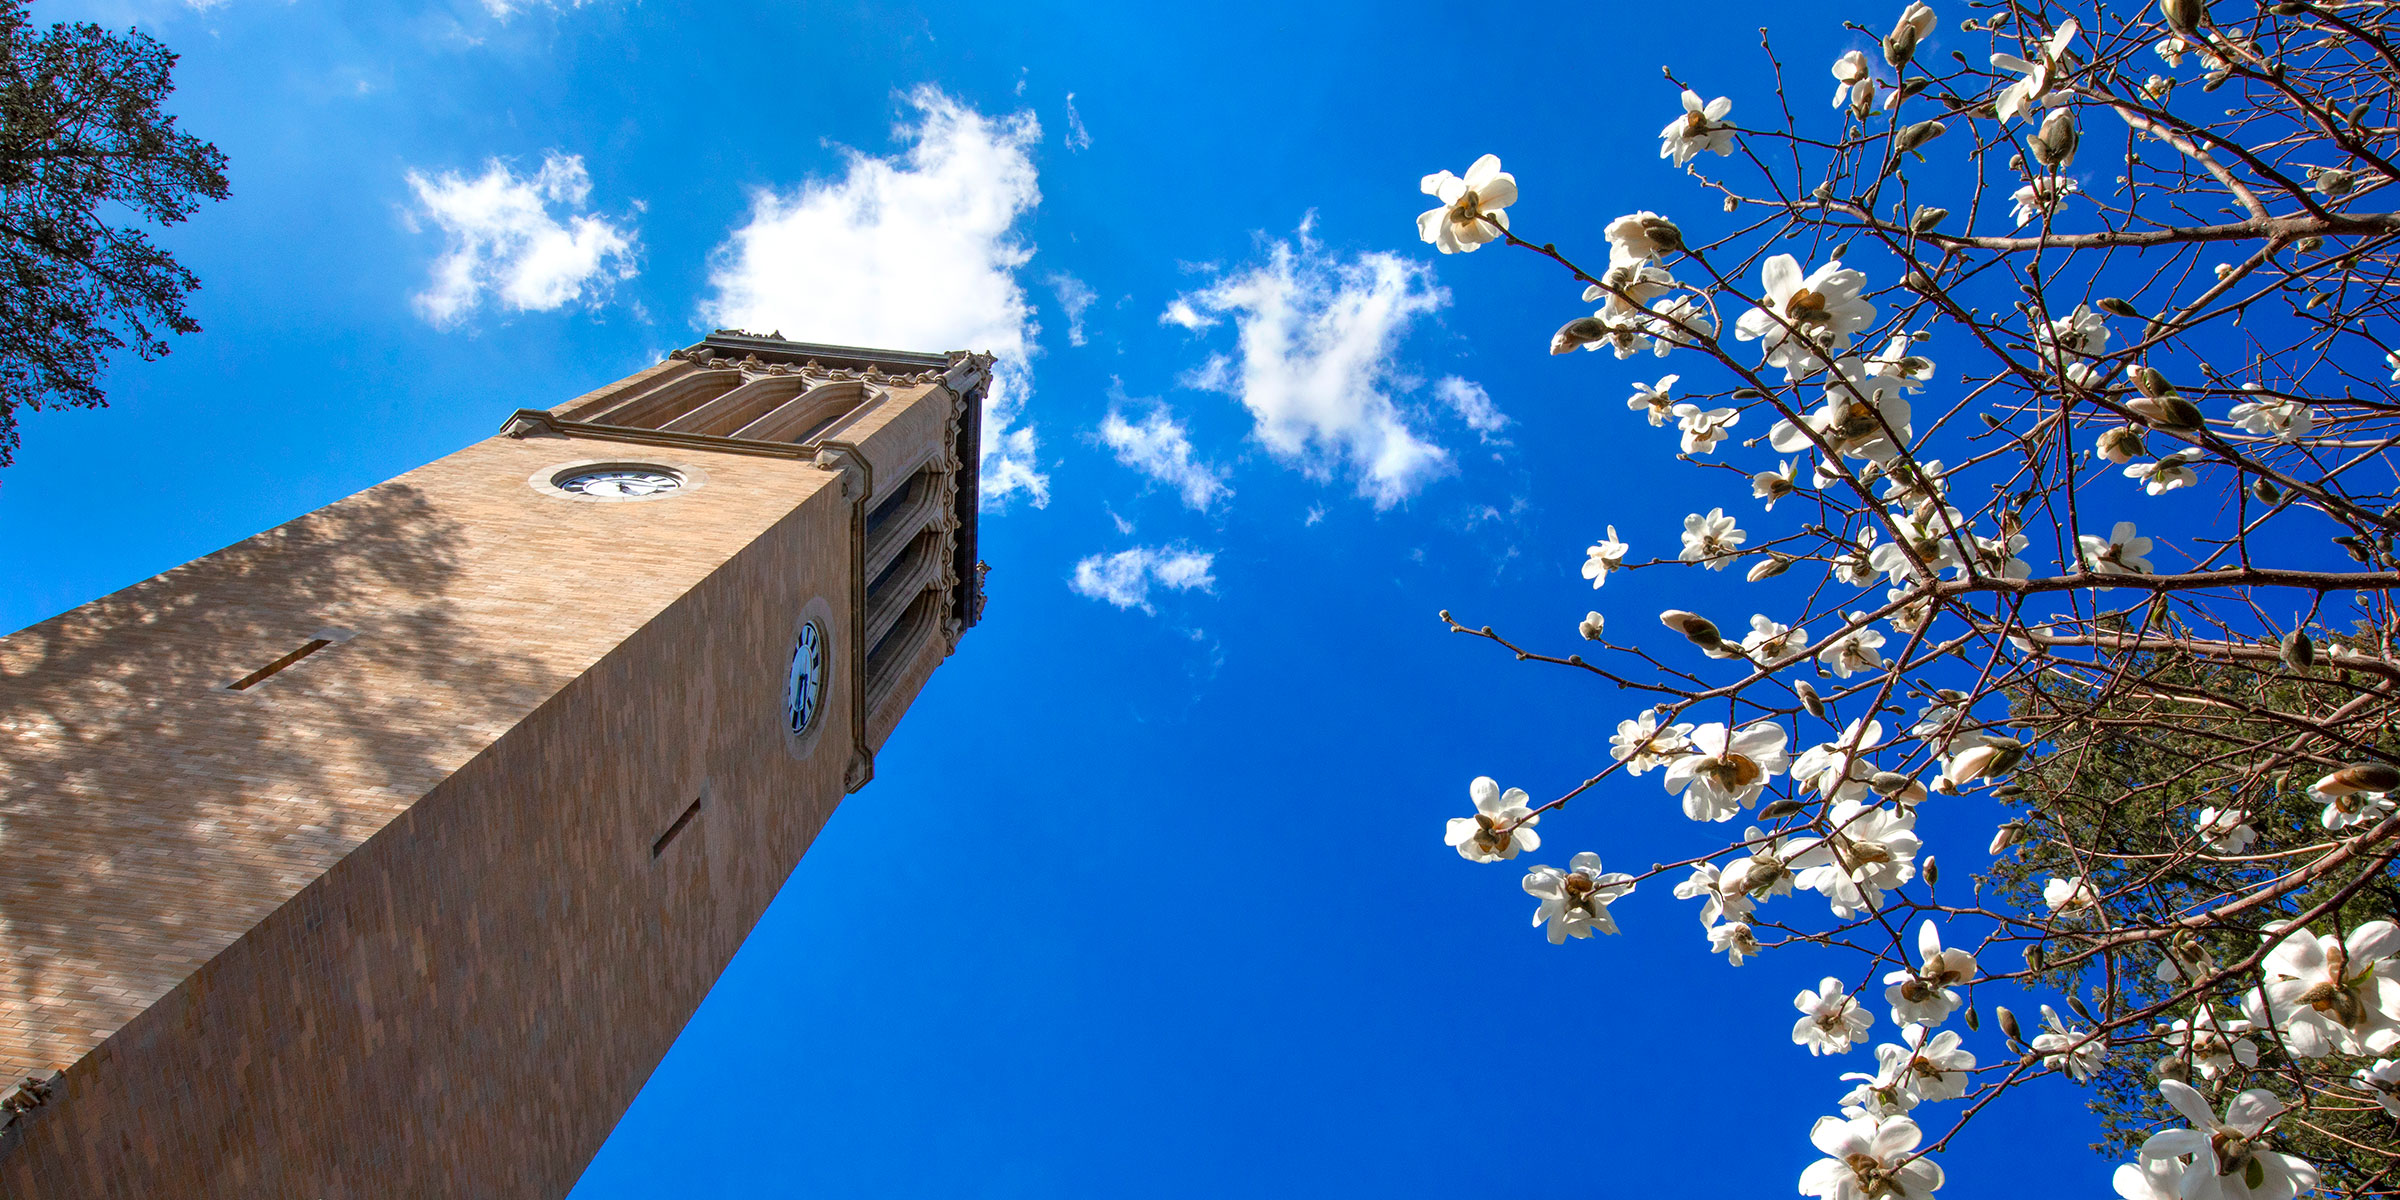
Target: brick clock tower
x,y
385,853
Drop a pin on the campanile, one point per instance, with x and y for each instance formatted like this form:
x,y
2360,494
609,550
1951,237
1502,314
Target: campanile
x,y
385,853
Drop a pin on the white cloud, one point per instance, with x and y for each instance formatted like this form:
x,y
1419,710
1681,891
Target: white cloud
x,y
1317,339
915,251
1125,578
1077,298
1472,404
505,240
1159,448
1078,138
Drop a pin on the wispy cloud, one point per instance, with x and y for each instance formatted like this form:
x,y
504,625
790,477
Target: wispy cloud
x,y
1126,577
915,251
1472,404
1317,337
1078,138
1075,297
1158,446
524,241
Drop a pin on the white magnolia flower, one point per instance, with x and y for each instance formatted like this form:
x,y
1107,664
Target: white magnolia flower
x,y
1701,127
2283,420
1863,411
1726,769
2082,332
2064,1048
2327,994
1703,428
1822,766
1923,1068
1774,485
1911,371
2027,93
1849,71
1641,744
2355,808
1592,627
1769,640
1929,994
1470,207
1998,557
1608,554
2165,475
2392,359
2070,895
1869,849
2381,1081
1711,540
1714,903
1806,316
2172,48
2225,1162
1858,650
1765,873
2120,553
1625,288
1930,537
1502,825
1733,940
1636,237
1653,400
1869,1157
1984,758
2041,197
1575,901
1858,567
2211,1045
2226,830
1830,1021
1682,321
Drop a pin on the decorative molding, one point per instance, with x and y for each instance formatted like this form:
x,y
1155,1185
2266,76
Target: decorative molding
x,y
533,422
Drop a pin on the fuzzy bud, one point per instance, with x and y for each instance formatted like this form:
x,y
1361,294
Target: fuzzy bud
x,y
2184,16
1769,567
1778,809
1700,630
1932,871
2170,412
2121,308
2054,144
2297,651
2174,1068
2008,1024
2265,489
2153,384
1914,137
1810,700
1576,333
1592,627
1927,218
2359,777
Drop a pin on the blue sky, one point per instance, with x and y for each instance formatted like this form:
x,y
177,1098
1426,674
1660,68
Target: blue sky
x,y
1149,894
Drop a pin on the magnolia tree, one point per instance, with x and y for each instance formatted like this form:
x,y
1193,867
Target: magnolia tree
x,y
2118,572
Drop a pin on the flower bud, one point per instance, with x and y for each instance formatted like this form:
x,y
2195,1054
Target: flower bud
x,y
1575,333
2360,777
1702,632
2153,384
2054,144
1809,699
1770,566
2297,651
1890,783
1927,217
2184,16
1776,810
1915,136
2174,1068
2170,412
2265,489
1974,1023
1932,872
1592,627
2122,444
2034,958
2006,835
2008,1024
2117,307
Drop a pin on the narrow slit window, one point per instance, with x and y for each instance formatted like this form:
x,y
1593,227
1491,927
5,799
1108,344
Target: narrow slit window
x,y
660,846
269,671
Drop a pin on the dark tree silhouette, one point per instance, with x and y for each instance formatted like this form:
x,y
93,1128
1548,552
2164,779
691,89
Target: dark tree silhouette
x,y
87,154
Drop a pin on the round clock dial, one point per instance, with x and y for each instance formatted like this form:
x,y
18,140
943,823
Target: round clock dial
x,y
620,483
804,687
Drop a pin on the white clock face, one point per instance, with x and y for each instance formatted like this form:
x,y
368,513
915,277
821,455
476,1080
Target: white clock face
x,y
620,483
804,687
